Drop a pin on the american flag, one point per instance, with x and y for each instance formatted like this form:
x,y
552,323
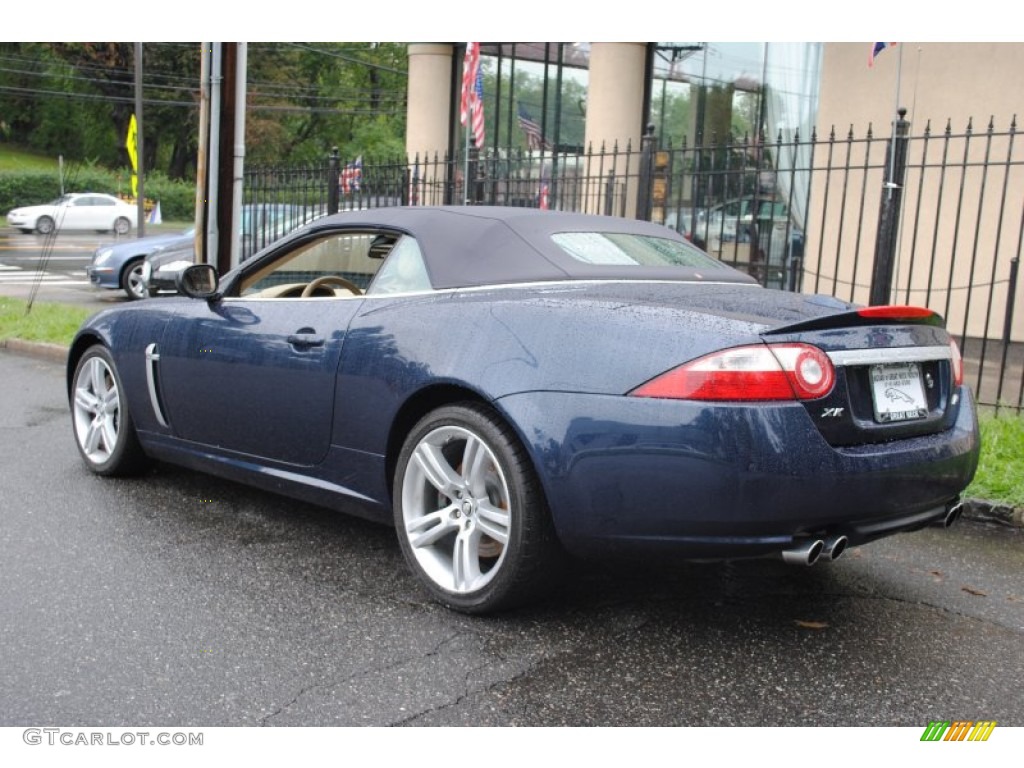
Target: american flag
x,y
534,138
472,105
351,176
877,48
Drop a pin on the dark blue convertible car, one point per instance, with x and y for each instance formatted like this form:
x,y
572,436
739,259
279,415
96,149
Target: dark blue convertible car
x,y
508,386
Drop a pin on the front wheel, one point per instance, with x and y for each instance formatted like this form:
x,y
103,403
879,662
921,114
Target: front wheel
x,y
471,516
104,430
132,281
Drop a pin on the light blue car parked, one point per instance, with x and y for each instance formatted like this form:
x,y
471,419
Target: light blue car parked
x,y
120,265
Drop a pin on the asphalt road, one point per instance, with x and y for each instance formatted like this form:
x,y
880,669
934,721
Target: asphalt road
x,y
33,267
180,599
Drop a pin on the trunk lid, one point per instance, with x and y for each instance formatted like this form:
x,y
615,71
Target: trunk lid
x,y
894,374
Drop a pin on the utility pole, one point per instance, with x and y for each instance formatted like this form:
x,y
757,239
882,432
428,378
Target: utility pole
x,y
140,198
221,149
226,142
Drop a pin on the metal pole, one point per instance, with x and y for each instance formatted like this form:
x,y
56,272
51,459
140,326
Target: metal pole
x,y
889,214
333,180
225,167
465,127
202,180
896,106
465,172
1011,293
553,190
213,161
140,201
646,177
241,62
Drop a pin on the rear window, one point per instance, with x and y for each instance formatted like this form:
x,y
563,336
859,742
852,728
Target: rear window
x,y
618,249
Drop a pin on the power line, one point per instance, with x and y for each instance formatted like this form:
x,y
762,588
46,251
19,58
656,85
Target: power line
x,y
351,59
298,109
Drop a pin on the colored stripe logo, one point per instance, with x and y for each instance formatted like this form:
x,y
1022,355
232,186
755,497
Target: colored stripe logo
x,y
958,730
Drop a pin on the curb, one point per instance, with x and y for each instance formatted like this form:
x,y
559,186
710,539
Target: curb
x,y
983,511
53,352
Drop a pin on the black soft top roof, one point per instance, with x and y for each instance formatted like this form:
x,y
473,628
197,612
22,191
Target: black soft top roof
x,y
467,246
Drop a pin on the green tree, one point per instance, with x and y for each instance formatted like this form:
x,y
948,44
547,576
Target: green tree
x,y
76,99
305,98
671,114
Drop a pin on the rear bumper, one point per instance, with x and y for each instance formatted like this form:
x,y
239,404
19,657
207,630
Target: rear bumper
x,y
727,481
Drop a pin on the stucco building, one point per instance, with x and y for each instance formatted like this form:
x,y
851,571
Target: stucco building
x,y
961,215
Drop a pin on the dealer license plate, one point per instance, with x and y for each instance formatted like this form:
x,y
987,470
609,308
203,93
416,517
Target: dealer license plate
x,y
897,392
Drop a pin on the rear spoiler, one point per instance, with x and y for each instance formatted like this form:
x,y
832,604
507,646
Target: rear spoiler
x,y
888,314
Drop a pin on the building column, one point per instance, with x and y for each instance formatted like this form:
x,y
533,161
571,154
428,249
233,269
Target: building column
x,y
615,101
428,115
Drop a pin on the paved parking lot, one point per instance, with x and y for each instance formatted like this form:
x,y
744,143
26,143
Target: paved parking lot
x,y
178,598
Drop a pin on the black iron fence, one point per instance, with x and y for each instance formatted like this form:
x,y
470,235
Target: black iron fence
x,y
934,218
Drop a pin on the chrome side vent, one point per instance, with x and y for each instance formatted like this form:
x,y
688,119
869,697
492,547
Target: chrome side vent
x,y
152,380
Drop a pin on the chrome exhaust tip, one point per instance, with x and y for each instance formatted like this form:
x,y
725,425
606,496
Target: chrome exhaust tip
x,y
805,553
953,514
834,547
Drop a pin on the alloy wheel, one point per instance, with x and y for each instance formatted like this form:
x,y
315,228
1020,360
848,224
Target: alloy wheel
x,y
97,410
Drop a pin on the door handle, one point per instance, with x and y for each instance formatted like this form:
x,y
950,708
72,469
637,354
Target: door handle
x,y
303,340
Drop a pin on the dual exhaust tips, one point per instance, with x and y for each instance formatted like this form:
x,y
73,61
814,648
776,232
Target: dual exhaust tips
x,y
812,550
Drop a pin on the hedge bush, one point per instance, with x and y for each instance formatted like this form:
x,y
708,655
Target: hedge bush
x,y
177,199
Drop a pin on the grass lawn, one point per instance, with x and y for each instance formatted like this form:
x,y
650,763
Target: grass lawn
x,y
50,323
17,159
1000,475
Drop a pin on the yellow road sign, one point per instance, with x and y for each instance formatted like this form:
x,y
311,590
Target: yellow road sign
x,y
131,143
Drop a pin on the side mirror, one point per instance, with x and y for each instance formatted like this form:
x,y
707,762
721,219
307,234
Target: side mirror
x,y
199,281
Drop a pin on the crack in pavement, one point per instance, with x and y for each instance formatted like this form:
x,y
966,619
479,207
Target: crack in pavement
x,y
265,721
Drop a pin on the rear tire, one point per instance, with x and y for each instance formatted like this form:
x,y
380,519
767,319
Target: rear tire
x,y
44,225
122,226
103,427
471,517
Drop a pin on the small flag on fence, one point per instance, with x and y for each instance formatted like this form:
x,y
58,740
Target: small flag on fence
x,y
534,138
351,176
877,48
544,196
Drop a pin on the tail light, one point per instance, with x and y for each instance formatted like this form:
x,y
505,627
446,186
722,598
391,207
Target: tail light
x,y
755,372
957,363
894,312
